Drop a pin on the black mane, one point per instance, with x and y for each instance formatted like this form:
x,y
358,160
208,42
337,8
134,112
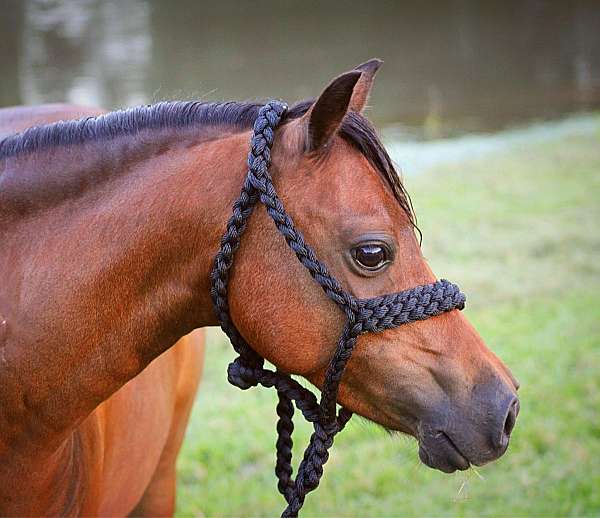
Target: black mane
x,y
355,129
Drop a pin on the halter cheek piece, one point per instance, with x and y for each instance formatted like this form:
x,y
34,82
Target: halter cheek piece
x,y
362,316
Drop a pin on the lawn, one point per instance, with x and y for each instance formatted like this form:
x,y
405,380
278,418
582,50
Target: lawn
x,y
519,231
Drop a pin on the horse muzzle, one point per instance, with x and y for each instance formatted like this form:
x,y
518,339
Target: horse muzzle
x,y
455,438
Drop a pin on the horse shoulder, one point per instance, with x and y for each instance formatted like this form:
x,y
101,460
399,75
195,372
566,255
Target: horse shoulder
x,y
143,422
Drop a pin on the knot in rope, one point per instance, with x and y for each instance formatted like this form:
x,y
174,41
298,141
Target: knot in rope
x,y
243,375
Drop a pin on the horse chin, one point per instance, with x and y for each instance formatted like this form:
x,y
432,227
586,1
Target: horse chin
x,y
437,451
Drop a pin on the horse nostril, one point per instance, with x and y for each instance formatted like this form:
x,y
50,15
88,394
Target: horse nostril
x,y
511,417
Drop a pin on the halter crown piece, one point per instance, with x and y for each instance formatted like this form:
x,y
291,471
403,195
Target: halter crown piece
x,y
362,316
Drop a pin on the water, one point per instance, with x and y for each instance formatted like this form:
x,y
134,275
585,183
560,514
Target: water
x,y
459,67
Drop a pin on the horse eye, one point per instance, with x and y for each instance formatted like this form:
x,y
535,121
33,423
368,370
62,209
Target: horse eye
x,y
371,256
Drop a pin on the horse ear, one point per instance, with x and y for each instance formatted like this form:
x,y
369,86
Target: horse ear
x,y
361,92
326,114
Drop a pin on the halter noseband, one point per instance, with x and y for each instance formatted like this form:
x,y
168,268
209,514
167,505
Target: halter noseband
x,y
362,316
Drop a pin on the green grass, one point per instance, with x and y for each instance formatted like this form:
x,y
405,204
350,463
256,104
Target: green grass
x,y
520,233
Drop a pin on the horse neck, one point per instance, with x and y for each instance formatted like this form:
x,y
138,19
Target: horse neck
x,y
117,273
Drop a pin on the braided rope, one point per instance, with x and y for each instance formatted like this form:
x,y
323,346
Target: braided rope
x,y
362,316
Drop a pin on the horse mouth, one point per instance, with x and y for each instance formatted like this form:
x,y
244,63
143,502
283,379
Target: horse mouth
x,y
439,452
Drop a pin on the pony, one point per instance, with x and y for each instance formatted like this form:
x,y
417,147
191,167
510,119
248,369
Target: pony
x,y
109,224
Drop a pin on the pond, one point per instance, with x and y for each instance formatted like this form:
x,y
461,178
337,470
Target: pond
x,y
450,68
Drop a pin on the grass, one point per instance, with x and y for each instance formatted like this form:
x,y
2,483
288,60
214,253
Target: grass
x,y
520,232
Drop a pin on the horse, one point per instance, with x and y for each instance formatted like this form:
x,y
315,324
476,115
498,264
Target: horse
x,y
110,224
139,480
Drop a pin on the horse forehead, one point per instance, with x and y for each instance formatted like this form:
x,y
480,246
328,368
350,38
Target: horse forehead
x,y
350,180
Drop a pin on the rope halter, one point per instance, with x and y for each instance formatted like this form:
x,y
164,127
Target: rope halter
x,y
372,315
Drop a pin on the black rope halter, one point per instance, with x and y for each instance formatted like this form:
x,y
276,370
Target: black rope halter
x,y
362,316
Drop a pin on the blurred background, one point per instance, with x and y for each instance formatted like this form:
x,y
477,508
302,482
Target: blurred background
x,y
490,110
451,67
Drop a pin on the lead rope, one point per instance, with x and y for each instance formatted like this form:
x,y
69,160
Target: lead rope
x,y
369,315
